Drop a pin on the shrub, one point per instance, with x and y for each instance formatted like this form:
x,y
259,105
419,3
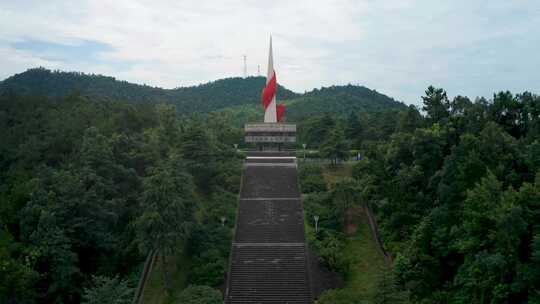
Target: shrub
x,y
331,251
208,269
199,294
313,183
339,296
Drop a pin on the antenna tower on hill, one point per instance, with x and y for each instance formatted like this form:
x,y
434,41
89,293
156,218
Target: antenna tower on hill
x,y
245,66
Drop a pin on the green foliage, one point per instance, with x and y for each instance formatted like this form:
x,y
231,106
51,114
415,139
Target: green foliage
x,y
166,203
335,147
330,249
410,120
313,183
345,195
436,104
84,183
201,153
315,129
197,294
106,290
203,98
16,273
313,108
340,101
210,241
84,180
388,290
339,296
321,205
208,268
454,199
311,179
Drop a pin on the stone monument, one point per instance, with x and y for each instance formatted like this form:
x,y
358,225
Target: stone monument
x,y
272,134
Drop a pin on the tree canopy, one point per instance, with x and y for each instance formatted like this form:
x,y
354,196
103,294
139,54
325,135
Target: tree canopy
x,y
89,188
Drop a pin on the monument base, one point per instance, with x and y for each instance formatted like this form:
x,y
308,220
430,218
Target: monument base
x,y
270,136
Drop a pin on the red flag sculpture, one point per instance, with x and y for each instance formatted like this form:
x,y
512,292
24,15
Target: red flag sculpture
x,y
280,112
272,112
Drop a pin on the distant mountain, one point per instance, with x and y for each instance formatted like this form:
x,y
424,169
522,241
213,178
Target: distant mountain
x,y
340,100
43,82
202,98
239,96
337,100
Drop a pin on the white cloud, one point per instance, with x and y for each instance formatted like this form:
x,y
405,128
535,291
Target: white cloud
x,y
397,47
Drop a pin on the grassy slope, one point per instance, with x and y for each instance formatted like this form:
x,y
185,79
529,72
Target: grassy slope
x,y
367,259
361,246
178,268
335,174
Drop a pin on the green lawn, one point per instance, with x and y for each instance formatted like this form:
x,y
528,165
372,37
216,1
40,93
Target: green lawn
x,y
334,174
367,259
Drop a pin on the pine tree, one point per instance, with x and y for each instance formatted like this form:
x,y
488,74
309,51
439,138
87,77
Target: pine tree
x,y
436,104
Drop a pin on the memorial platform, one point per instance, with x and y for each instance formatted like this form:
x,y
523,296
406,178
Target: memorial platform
x,y
270,136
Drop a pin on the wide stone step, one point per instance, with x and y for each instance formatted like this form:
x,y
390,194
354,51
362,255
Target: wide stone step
x,y
270,153
271,182
267,220
274,273
269,262
270,160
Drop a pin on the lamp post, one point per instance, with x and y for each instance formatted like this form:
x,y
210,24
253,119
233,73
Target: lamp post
x,y
222,221
304,146
316,218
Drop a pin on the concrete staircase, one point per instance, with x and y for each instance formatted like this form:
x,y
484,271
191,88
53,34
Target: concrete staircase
x,y
269,259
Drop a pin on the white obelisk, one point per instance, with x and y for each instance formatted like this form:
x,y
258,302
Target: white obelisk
x,y
270,113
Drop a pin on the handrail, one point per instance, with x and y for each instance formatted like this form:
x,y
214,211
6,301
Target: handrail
x,y
148,265
372,223
228,283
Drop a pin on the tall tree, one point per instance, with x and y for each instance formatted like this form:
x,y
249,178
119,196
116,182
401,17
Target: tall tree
x,y
167,209
345,195
409,120
436,104
335,147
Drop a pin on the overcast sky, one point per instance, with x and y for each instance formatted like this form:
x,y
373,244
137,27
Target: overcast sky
x,y
468,47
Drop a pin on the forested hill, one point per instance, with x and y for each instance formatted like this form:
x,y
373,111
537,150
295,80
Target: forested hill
x,y
43,82
231,93
339,100
202,98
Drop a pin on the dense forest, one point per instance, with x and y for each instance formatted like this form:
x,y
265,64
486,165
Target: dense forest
x,y
88,189
456,192
94,177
